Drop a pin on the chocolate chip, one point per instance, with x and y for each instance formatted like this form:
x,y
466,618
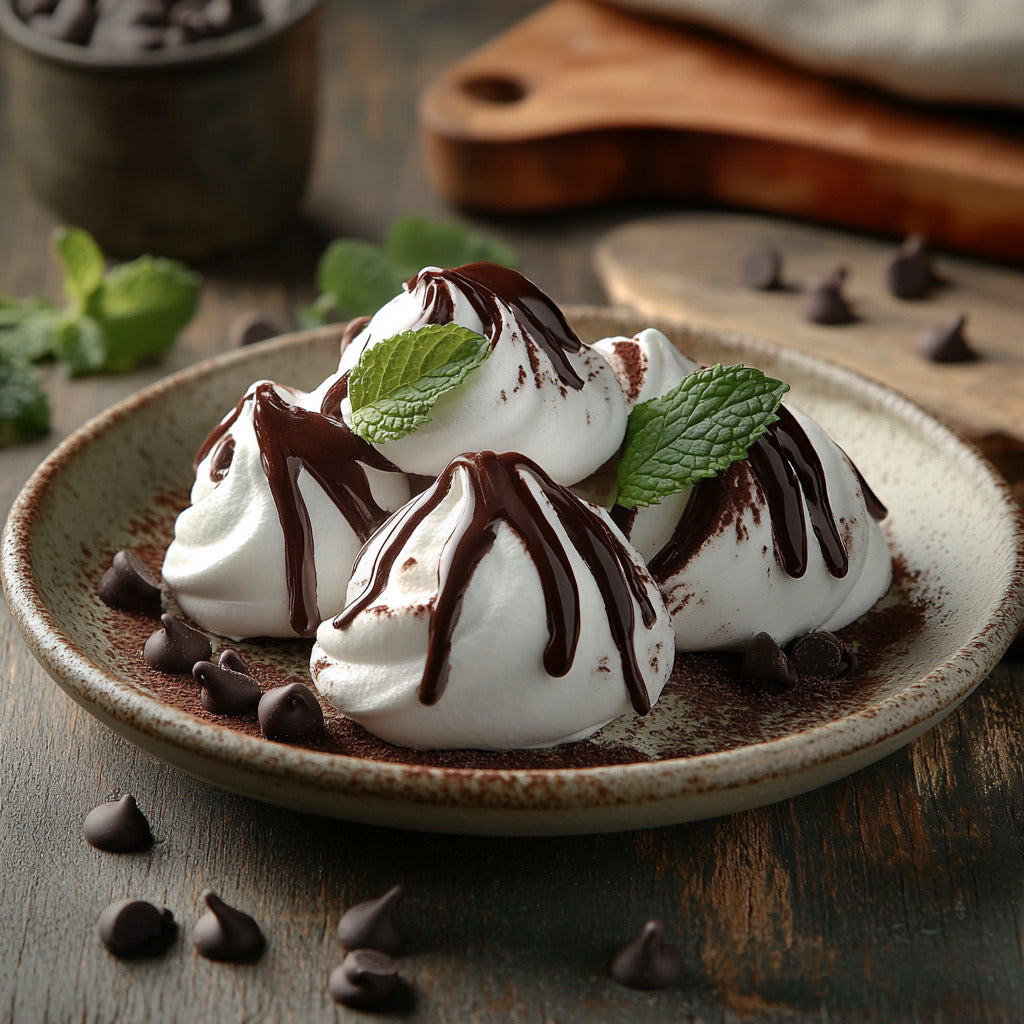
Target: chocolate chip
x,y
233,661
218,16
28,9
761,269
765,664
176,646
72,21
909,274
366,979
250,328
225,692
825,303
130,586
373,924
132,928
850,660
118,827
946,343
189,17
224,933
174,36
291,714
818,654
121,38
244,14
180,12
647,962
135,26
140,12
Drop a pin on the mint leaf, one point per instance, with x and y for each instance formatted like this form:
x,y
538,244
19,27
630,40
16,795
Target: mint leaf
x,y
81,346
83,264
416,242
113,322
356,278
699,428
31,335
359,276
24,408
140,309
395,384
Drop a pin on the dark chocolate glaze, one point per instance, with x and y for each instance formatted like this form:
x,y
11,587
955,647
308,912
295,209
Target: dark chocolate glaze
x,y
488,286
223,456
875,508
352,331
334,396
499,493
705,508
292,439
217,433
786,466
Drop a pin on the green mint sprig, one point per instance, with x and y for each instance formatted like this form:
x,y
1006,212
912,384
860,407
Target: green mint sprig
x,y
355,277
120,318
701,427
396,383
113,321
24,408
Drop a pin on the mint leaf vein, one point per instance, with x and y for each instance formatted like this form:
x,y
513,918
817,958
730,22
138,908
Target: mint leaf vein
x,y
396,383
701,427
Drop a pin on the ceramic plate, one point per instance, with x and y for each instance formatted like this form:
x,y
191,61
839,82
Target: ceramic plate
x,y
952,522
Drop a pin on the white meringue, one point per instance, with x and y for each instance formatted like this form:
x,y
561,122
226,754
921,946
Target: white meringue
x,y
226,565
497,694
541,391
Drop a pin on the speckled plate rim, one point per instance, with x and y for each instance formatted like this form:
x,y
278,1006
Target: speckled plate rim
x,y
526,801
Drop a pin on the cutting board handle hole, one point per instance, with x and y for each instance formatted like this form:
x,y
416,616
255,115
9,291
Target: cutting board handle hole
x,y
495,88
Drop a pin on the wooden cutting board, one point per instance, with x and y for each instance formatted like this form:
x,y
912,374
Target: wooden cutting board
x,y
686,266
581,104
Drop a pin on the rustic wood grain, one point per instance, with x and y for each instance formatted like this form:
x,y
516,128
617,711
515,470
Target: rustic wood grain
x,y
686,265
640,108
895,895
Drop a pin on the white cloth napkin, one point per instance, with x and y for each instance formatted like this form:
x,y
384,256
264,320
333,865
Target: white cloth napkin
x,y
959,51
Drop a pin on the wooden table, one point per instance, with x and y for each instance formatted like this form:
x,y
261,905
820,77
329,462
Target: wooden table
x,y
894,895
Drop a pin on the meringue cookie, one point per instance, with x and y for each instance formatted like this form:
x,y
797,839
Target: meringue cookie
x,y
541,391
647,365
229,566
758,549
718,550
495,611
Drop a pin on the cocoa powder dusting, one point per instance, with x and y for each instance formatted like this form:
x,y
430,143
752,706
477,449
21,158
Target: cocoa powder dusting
x,y
736,714
632,364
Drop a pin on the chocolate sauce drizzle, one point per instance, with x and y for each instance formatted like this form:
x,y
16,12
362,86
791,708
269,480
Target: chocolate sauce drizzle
x,y
786,466
487,287
223,456
215,436
497,491
292,439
